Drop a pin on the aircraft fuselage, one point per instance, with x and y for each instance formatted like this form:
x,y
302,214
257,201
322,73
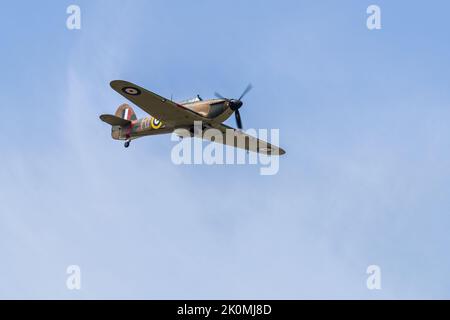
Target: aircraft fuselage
x,y
214,110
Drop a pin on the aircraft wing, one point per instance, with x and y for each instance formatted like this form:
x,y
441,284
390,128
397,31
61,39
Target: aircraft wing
x,y
159,107
239,139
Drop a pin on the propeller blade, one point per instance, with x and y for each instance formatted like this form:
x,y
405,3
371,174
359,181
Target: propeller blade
x,y
247,90
218,95
238,119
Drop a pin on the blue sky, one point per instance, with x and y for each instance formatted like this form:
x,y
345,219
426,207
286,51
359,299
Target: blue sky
x,y
363,116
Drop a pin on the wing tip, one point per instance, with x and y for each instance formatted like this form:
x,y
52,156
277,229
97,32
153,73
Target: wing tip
x,y
272,151
278,152
116,83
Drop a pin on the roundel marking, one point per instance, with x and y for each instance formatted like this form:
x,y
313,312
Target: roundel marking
x,y
131,91
156,124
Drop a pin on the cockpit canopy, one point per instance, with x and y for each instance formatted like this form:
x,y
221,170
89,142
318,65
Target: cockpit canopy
x,y
193,100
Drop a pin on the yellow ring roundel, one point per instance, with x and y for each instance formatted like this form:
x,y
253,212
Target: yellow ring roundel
x,y
156,124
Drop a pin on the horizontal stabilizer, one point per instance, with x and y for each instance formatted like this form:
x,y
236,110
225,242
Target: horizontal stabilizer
x,y
114,121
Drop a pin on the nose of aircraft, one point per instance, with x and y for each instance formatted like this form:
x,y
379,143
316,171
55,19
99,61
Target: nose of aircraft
x,y
235,104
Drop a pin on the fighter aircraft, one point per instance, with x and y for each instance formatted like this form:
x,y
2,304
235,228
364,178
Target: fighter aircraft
x,y
167,116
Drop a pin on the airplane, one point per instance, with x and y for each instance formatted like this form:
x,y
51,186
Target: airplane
x,y
167,116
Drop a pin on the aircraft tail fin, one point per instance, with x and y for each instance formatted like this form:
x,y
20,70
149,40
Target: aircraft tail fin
x,y
120,122
126,112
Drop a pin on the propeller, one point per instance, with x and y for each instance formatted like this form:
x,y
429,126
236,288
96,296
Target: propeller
x,y
237,115
236,104
247,90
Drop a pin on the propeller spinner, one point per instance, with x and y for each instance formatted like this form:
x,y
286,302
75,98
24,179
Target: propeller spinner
x,y
236,104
